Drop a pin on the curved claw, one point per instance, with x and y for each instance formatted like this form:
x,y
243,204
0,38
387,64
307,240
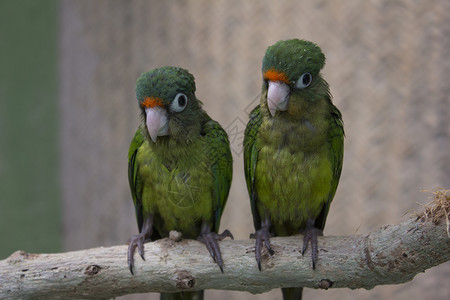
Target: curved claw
x,y
310,236
262,236
141,249
224,234
210,240
136,241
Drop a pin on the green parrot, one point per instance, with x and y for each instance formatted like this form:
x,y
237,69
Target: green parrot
x,y
179,166
293,149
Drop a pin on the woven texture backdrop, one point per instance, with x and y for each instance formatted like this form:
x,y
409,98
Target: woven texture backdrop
x,y
387,66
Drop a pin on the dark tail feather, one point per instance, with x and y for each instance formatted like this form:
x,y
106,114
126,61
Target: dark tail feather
x,y
182,296
292,293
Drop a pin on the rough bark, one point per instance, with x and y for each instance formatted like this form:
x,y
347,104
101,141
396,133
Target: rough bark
x,y
390,255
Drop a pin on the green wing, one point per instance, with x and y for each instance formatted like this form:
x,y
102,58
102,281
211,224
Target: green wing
x,y
133,176
336,142
219,156
250,159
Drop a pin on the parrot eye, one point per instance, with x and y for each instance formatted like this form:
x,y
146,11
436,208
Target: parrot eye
x,y
303,81
179,103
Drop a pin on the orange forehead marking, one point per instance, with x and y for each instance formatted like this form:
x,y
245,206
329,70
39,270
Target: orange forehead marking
x,y
274,75
151,102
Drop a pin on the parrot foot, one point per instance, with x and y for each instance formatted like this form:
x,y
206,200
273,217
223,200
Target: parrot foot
x,y
310,236
136,241
262,236
210,240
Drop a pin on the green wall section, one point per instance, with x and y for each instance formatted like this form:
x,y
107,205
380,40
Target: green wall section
x,y
30,201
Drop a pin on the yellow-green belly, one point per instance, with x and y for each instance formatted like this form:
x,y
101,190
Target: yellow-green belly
x,y
292,187
179,199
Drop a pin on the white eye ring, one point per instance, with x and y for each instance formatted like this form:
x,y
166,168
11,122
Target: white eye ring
x,y
179,103
304,81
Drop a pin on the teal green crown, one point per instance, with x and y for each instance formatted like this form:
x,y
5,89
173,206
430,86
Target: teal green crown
x,y
293,58
164,83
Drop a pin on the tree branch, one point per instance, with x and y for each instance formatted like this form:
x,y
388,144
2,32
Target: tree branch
x,y
390,255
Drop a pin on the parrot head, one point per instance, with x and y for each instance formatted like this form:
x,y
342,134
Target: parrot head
x,y
291,74
167,101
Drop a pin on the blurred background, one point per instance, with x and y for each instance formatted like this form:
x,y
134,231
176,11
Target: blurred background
x,y
68,111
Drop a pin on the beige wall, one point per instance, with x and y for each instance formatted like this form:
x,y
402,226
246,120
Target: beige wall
x,y
387,65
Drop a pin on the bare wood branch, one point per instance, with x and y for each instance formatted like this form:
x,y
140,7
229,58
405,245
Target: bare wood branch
x,y
390,255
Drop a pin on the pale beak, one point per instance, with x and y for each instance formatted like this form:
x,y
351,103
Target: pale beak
x,y
277,96
157,122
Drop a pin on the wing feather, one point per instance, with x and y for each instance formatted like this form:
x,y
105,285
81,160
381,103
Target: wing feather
x,y
220,158
250,160
133,176
336,143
